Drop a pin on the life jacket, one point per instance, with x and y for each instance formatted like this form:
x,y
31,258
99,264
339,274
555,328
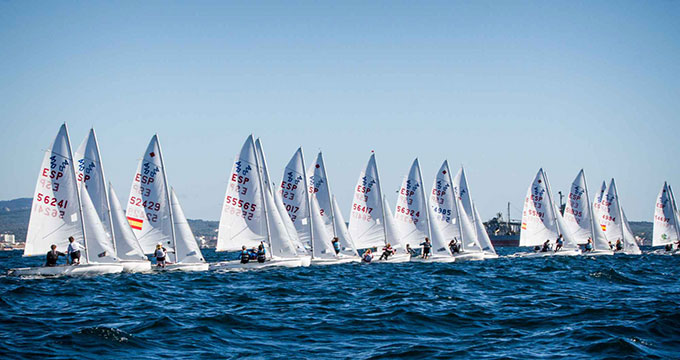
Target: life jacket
x,y
245,256
261,255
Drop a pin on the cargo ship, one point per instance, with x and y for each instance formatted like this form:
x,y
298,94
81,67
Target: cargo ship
x,y
503,232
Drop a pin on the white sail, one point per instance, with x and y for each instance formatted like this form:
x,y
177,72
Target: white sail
x,y
55,213
346,244
610,215
300,248
242,222
187,249
462,193
319,190
280,242
392,234
90,173
367,217
567,236
675,207
410,212
293,189
538,215
482,235
127,246
443,204
665,220
597,203
99,246
630,245
148,208
322,246
577,214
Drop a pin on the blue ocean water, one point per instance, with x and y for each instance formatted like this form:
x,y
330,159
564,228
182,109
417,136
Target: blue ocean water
x,y
563,307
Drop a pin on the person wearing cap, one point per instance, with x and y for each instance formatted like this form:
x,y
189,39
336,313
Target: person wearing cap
x,y
160,255
73,251
52,256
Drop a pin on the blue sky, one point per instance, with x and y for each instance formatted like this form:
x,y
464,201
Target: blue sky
x,y
503,87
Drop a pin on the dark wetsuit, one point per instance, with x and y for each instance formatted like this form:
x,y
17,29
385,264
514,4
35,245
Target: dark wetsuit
x,y
426,248
52,257
245,256
619,246
261,255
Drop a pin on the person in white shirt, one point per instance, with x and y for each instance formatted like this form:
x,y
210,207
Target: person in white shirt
x,y
73,251
160,255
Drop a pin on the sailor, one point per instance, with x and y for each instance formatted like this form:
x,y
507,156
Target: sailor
x,y
546,246
537,248
336,245
160,253
560,242
409,250
368,256
589,245
52,256
454,245
261,254
244,255
73,251
611,247
619,245
387,252
253,253
669,247
427,246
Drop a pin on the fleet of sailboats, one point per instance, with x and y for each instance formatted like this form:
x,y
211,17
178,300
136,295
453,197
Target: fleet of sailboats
x,y
297,221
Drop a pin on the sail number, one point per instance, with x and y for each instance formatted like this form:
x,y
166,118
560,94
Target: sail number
x,y
51,200
406,211
151,205
361,208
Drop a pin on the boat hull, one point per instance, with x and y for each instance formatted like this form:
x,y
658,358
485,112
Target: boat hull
x,y
599,253
575,252
68,270
133,266
488,256
434,259
397,258
252,265
189,267
337,261
469,256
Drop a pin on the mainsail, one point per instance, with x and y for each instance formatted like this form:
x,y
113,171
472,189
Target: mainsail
x,y
665,220
443,203
410,213
148,207
346,244
367,218
538,216
186,247
465,213
482,235
295,196
577,211
127,246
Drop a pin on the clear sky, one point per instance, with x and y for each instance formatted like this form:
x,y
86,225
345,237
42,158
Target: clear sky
x,y
502,87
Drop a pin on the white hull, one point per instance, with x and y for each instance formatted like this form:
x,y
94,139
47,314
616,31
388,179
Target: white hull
x,y
434,259
469,256
183,267
133,266
664,252
575,252
598,253
397,258
69,270
253,264
488,256
335,261
305,260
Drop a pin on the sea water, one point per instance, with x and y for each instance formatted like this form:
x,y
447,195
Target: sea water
x,y
563,307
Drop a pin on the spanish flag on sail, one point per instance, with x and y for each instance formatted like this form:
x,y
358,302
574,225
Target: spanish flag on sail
x,y
604,227
135,223
524,226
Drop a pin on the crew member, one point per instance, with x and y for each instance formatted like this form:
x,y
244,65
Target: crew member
x,y
546,246
427,246
387,252
52,256
261,254
160,255
589,245
368,256
560,242
244,255
73,251
336,245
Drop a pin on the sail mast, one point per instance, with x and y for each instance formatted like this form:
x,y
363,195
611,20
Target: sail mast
x,y
106,191
328,190
167,197
382,201
309,201
427,203
78,195
260,173
455,202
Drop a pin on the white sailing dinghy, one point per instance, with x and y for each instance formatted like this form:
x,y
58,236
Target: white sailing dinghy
x,y
90,174
471,248
483,236
579,218
371,224
323,218
614,224
541,221
666,228
128,249
58,212
250,216
412,216
151,214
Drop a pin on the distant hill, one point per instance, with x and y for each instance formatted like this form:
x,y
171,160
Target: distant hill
x,y
14,215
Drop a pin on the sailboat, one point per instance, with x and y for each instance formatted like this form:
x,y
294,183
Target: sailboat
x,y
579,217
59,211
155,216
90,176
325,225
471,248
483,236
666,227
541,221
250,216
614,223
412,216
448,216
371,224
